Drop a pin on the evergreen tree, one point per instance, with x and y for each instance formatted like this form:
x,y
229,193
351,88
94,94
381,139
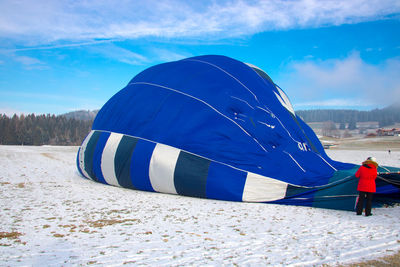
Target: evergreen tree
x,y
42,129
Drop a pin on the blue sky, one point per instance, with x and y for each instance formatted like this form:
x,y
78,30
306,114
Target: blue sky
x,y
61,56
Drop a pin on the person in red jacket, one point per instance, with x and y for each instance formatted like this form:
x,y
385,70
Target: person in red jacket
x,y
366,185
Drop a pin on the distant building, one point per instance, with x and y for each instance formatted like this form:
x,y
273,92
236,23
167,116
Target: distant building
x,y
388,132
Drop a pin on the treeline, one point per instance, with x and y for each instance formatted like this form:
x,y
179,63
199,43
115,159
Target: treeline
x,y
42,130
386,116
71,129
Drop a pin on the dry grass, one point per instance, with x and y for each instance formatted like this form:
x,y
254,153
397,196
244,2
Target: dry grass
x,y
376,143
107,222
58,235
10,235
387,261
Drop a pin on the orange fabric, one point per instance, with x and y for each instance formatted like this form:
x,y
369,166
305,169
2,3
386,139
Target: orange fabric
x,y
367,178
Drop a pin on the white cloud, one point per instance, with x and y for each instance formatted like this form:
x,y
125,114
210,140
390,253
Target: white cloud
x,y
167,55
112,51
342,82
41,22
26,61
68,45
30,62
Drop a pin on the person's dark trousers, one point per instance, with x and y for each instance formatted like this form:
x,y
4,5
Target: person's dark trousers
x,y
360,203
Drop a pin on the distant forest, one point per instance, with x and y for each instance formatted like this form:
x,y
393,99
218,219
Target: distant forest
x,y
42,130
385,117
72,128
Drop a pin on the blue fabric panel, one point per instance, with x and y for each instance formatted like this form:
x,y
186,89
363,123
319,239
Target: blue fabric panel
x,y
380,183
304,201
140,164
385,169
123,159
312,137
225,183
218,108
337,203
77,162
340,194
310,143
295,191
298,196
317,199
89,154
176,127
98,152
387,189
386,199
190,177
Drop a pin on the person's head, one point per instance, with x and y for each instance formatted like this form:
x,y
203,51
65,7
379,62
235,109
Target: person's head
x,y
371,160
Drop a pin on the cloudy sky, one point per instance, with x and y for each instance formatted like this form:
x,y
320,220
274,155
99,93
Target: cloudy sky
x,y
60,56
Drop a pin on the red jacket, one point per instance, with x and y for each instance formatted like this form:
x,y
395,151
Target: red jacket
x,y
367,174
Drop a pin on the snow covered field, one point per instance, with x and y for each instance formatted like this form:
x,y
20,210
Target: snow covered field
x,y
50,216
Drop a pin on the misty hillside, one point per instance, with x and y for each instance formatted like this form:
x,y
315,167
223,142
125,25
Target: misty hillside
x,y
85,115
385,116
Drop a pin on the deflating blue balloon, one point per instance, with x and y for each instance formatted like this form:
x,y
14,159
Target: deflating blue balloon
x,y
212,127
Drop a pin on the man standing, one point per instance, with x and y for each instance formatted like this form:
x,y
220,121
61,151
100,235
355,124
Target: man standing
x,y
366,185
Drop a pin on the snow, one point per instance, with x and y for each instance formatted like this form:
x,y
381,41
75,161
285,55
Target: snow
x,y
54,217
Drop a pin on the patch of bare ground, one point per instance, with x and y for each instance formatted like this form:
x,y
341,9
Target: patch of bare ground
x,y
10,236
58,235
387,261
21,185
376,143
128,262
106,222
